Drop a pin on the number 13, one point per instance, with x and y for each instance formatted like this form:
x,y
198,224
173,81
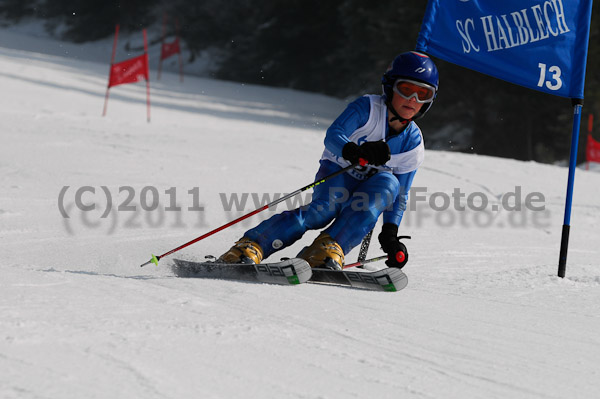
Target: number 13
x,y
555,83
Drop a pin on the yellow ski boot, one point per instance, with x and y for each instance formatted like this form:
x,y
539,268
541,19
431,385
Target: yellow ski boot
x,y
244,251
323,252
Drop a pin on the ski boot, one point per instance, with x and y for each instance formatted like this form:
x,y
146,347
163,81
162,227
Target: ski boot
x,y
244,251
323,252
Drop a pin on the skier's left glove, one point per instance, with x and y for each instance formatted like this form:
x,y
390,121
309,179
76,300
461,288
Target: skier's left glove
x,y
391,245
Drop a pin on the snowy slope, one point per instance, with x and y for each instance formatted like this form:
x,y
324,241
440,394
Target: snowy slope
x,y
483,316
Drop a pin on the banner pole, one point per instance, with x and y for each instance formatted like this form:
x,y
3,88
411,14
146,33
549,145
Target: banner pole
x,y
112,61
564,242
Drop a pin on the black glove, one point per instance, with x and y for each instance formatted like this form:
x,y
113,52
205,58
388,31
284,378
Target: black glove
x,y
352,152
374,152
391,245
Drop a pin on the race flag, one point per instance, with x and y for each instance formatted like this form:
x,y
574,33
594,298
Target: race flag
x,y
169,49
129,71
538,44
592,151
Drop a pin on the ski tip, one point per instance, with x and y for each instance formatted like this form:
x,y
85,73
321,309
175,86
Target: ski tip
x,y
390,287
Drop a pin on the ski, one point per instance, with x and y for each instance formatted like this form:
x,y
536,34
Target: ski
x,y
288,272
389,279
292,272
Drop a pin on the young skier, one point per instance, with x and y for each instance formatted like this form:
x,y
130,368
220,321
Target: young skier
x,y
380,130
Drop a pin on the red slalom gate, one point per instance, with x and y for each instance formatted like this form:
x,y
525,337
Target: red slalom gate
x,y
168,49
592,149
129,71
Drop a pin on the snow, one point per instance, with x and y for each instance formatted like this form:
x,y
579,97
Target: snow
x,y
483,316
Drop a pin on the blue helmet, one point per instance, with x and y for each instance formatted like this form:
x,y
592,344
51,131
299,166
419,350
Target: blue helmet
x,y
414,66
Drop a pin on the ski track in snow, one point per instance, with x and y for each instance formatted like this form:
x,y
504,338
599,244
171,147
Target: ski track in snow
x,y
483,316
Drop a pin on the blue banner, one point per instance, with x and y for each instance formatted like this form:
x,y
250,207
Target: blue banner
x,y
538,44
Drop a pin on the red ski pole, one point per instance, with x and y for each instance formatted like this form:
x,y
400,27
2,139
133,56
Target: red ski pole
x,y
364,262
156,258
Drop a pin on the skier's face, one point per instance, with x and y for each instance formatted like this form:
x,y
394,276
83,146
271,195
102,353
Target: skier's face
x,y
406,108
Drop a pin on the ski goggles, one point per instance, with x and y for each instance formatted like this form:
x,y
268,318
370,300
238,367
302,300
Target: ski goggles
x,y
421,92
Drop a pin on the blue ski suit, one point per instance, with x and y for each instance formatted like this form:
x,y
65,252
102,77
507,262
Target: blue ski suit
x,y
353,200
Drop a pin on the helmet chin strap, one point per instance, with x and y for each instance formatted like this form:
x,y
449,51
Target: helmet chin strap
x,y
397,116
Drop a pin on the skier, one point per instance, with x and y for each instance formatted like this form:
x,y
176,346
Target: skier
x,y
380,130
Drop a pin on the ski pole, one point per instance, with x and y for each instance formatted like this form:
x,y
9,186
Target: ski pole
x,y
364,262
361,262
155,258
364,247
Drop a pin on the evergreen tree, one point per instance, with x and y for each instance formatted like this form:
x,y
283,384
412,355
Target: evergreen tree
x,y
15,10
88,20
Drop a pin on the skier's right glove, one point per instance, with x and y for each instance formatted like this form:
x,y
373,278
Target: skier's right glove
x,y
374,152
391,245
352,152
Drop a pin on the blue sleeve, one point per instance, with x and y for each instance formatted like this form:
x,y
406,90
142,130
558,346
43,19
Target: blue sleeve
x,y
394,215
354,116
406,141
